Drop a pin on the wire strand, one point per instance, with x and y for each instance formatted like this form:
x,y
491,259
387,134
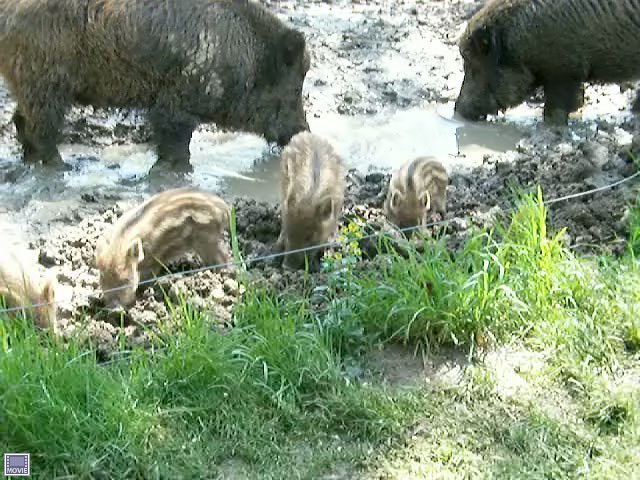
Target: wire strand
x,y
309,249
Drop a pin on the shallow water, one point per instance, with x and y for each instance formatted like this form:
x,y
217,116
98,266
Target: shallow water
x,y
241,164
244,164
385,141
602,103
364,56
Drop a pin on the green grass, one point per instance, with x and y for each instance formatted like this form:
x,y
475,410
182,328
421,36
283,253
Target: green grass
x,y
291,392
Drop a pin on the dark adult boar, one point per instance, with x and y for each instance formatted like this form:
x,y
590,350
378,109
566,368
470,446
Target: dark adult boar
x,y
511,47
185,61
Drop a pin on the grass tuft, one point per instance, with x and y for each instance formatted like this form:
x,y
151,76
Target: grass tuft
x,y
288,392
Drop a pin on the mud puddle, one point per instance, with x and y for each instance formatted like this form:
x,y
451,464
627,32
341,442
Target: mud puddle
x,y
603,105
386,140
382,142
241,164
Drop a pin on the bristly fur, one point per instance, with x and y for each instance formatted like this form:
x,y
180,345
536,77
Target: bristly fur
x,y
186,61
21,285
512,47
312,191
159,230
417,188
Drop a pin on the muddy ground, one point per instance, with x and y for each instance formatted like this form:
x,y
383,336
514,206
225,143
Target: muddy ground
x,y
366,56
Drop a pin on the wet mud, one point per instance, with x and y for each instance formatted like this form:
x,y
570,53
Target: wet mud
x,y
476,198
383,79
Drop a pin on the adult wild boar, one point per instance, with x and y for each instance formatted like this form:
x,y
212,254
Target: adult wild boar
x,y
512,47
185,62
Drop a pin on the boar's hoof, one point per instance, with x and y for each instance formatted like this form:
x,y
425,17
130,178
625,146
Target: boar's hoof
x,y
165,167
173,157
556,118
58,166
635,106
50,161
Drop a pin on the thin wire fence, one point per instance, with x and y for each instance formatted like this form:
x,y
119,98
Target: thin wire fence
x,y
336,243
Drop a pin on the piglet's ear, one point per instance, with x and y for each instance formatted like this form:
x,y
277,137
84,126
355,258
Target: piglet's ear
x,y
396,199
49,288
135,252
293,46
425,200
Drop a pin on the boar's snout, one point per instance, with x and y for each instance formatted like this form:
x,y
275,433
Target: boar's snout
x,y
119,299
475,106
469,112
475,100
115,309
112,303
284,137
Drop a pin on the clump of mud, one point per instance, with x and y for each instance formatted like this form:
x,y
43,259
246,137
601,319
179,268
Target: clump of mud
x,y
564,166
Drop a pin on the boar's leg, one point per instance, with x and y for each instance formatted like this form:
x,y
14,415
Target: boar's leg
x,y
39,134
561,97
279,246
580,97
172,133
635,106
29,150
214,251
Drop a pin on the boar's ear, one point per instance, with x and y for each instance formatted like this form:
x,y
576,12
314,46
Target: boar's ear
x,y
291,200
425,200
49,287
396,198
487,41
293,46
325,208
135,251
